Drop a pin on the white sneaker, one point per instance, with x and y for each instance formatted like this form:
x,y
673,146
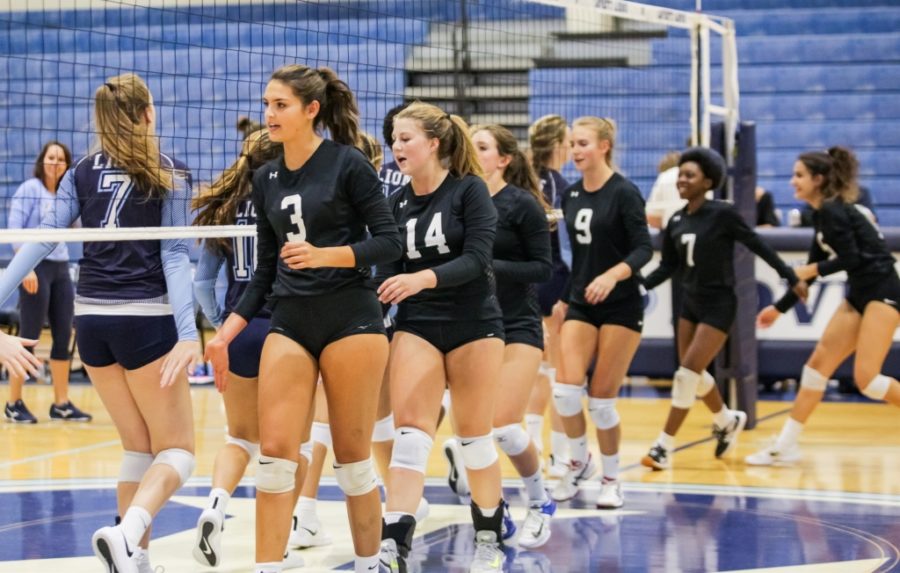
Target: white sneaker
x,y
610,495
457,478
422,510
111,547
536,528
292,560
558,467
578,473
142,558
727,437
309,533
208,547
772,456
489,557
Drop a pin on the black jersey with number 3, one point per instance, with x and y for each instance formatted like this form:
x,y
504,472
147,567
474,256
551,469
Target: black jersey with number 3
x,y
701,245
450,231
846,240
606,227
329,201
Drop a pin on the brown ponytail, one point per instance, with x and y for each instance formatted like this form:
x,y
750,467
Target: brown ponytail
x,y
543,136
455,147
839,168
519,172
338,111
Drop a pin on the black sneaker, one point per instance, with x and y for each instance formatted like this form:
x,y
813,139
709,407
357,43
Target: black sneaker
x,y
727,437
657,458
18,413
68,412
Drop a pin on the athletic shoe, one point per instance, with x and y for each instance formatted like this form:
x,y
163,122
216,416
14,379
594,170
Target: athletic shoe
x,y
578,473
610,495
456,478
727,437
111,547
558,468
422,510
772,456
508,526
292,560
208,547
489,557
68,412
536,528
142,557
308,534
657,458
390,558
18,413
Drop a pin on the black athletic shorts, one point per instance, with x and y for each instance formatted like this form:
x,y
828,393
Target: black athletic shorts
x,y
314,322
627,312
524,330
551,291
246,348
717,310
447,336
886,290
130,341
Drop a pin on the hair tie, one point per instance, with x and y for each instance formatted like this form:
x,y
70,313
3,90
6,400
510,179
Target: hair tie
x,y
111,87
447,117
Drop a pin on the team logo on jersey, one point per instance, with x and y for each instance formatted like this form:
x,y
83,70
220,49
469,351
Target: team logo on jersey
x,y
573,194
403,204
273,175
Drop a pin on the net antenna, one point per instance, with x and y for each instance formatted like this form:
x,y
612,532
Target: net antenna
x,y
699,25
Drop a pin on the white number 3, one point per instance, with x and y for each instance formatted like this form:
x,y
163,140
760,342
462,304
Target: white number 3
x,y
294,203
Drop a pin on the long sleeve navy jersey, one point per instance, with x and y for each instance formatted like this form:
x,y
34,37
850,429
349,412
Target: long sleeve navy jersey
x,y
701,245
450,231
392,179
330,201
552,186
521,251
606,227
845,240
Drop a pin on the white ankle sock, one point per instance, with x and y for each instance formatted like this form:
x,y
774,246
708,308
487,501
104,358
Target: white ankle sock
x,y
723,417
578,449
610,466
218,499
559,446
135,523
534,486
789,435
366,564
267,568
666,441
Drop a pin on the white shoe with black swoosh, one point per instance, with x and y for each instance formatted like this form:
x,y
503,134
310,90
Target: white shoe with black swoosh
x,y
536,528
308,533
208,547
111,547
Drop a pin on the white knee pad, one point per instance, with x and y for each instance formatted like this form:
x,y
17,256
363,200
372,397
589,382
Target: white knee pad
x,y
249,447
684,388
878,388
603,412
306,450
384,429
182,461
478,452
512,439
411,449
357,478
706,384
134,466
321,432
811,379
275,475
567,399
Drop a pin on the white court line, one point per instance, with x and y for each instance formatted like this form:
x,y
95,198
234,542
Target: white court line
x,y
59,453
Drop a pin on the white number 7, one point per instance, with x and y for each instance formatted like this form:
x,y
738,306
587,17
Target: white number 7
x,y
689,239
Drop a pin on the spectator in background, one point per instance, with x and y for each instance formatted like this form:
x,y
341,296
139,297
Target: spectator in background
x,y
766,215
664,199
47,292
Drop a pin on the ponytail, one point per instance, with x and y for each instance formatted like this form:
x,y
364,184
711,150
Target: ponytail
x,y
838,168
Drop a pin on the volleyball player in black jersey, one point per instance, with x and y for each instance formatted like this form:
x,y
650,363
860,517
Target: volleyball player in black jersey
x,y
604,215
227,202
550,140
864,324
133,308
699,243
521,259
449,326
313,208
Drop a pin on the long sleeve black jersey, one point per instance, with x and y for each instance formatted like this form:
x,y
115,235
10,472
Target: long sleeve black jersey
x,y
330,201
521,251
701,245
846,240
606,227
450,231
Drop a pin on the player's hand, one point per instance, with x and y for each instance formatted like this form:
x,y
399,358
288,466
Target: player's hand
x,y
303,256
400,287
599,289
30,283
559,312
16,358
767,317
178,361
801,289
217,354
